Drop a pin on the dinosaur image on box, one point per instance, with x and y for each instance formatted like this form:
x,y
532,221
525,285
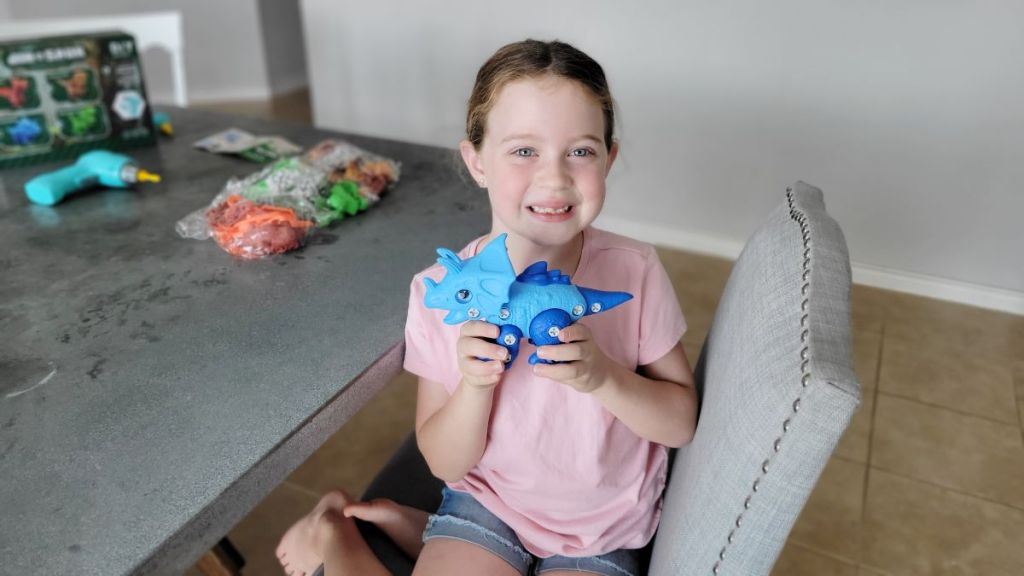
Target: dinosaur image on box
x,y
538,302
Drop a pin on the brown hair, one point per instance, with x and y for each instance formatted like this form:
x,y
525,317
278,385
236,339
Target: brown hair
x,y
530,59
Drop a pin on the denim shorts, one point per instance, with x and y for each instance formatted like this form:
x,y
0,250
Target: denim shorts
x,y
461,517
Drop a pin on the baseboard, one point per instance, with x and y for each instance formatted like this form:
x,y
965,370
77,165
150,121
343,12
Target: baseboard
x,y
294,83
865,274
940,288
233,94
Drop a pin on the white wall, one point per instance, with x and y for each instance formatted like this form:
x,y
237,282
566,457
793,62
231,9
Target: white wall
x,y
910,115
283,48
226,56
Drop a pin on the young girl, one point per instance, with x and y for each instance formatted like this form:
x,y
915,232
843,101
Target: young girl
x,y
550,468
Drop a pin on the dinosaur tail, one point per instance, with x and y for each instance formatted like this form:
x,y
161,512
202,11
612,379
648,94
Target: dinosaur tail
x,y
604,300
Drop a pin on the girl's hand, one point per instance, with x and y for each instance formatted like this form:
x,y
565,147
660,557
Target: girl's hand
x,y
584,366
472,348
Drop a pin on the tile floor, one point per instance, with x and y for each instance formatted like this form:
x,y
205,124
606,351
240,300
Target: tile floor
x,y
928,480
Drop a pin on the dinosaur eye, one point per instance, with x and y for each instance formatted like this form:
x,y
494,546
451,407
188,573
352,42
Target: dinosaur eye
x,y
462,295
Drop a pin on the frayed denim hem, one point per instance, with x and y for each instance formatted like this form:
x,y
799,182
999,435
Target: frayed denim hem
x,y
615,568
524,557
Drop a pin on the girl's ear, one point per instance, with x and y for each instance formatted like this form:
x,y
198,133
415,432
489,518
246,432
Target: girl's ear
x,y
472,160
612,155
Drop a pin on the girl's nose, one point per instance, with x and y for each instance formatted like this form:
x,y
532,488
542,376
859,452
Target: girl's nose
x,y
555,174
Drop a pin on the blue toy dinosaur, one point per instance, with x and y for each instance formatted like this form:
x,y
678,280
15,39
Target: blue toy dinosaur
x,y
538,302
24,131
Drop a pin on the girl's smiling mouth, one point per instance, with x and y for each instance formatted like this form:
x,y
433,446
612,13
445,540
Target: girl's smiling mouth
x,y
551,213
550,210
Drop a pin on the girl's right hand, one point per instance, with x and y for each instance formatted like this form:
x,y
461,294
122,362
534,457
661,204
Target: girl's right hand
x,y
472,348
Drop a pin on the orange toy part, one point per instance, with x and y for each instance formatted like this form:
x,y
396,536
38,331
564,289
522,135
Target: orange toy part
x,y
249,230
77,85
374,177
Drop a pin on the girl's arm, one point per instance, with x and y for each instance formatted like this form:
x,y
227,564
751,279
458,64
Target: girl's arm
x,y
451,431
659,404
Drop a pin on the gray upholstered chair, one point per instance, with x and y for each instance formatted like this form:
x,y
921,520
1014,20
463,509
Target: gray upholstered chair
x,y
777,389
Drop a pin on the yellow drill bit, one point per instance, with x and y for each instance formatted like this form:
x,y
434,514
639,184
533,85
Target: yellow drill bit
x,y
143,176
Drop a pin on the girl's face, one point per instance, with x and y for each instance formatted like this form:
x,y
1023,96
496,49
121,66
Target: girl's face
x,y
543,160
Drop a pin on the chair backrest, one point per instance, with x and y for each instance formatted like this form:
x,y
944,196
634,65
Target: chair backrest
x,y
161,30
777,390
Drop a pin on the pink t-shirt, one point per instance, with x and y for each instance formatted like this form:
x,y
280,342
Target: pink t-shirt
x,y
559,469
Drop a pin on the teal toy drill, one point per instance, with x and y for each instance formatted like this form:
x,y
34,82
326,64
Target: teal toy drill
x,y
98,167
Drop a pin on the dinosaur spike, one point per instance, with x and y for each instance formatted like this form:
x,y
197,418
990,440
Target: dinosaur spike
x,y
494,257
539,267
604,300
449,260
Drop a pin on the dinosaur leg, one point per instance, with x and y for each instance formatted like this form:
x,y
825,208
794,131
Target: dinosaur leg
x,y
544,330
509,337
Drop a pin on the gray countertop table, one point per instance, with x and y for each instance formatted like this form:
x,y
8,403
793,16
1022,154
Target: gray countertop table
x,y
153,389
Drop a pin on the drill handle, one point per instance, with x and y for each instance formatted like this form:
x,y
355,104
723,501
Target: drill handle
x,y
50,188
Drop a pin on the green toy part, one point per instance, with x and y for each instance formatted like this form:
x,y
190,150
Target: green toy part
x,y
344,197
341,199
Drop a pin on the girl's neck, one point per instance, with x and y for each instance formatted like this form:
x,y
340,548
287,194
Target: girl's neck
x,y
522,252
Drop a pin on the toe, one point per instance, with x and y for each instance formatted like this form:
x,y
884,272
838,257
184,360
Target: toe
x,y
336,498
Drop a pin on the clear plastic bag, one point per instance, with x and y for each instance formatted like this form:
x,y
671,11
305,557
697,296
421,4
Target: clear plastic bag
x,y
276,209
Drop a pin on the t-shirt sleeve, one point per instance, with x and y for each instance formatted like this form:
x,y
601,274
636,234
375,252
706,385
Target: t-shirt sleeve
x,y
425,350
661,320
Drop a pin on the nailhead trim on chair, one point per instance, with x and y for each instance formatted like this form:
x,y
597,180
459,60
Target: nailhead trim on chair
x,y
801,219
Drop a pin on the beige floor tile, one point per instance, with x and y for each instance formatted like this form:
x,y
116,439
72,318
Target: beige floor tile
x,y
962,452
912,528
1018,376
796,560
351,458
257,535
923,320
965,378
867,571
867,308
856,440
866,350
1018,382
831,520
692,345
698,281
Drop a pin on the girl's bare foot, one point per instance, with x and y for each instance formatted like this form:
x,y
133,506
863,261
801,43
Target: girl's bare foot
x,y
404,525
298,551
343,549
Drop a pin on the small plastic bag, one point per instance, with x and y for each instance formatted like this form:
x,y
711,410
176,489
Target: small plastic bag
x,y
276,209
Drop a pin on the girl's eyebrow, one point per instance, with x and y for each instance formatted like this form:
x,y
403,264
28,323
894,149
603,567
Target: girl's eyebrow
x,y
533,137
592,137
517,137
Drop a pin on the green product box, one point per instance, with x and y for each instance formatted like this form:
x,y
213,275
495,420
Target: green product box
x,y
63,95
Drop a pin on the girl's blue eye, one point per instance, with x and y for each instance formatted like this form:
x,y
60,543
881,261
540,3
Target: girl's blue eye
x,y
523,152
462,295
581,152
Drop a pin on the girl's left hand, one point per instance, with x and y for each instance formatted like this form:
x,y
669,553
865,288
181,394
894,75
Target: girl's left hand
x,y
583,366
